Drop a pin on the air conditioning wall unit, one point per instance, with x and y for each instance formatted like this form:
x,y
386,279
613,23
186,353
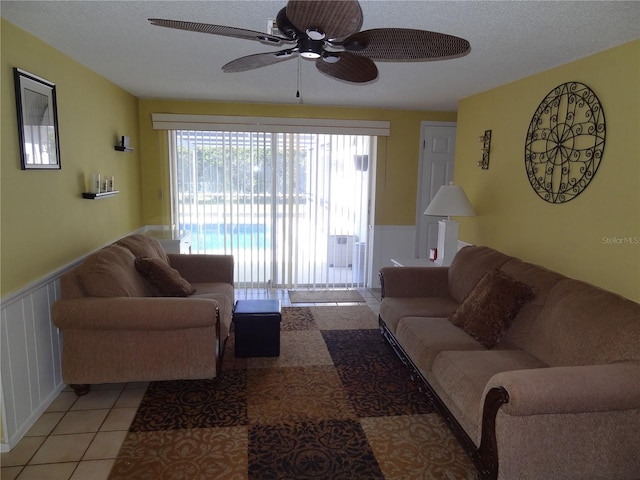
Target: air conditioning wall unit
x,y
340,250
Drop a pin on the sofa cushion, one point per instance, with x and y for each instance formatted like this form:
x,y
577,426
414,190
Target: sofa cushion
x,y
488,310
393,309
461,377
468,267
110,272
223,294
541,281
164,280
581,324
143,246
423,338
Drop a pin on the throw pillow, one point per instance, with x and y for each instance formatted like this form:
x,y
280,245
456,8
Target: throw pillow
x,y
164,280
487,312
110,273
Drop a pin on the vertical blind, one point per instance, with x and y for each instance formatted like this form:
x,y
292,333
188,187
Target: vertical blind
x,y
292,208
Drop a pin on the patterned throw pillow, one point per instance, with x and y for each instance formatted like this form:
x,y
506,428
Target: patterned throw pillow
x,y
164,280
487,312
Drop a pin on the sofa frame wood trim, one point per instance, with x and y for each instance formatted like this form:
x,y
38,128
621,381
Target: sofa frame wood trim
x,y
487,454
485,457
219,344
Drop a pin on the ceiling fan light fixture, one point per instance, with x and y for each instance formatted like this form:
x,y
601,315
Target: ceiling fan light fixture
x,y
310,48
330,57
315,34
310,55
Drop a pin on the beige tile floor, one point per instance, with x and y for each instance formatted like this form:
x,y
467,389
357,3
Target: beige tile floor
x,y
78,438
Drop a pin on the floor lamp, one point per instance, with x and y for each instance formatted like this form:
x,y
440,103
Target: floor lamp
x,y
449,201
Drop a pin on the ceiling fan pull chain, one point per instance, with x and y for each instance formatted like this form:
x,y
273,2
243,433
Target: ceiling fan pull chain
x,y
299,80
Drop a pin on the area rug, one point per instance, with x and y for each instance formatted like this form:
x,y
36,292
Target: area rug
x,y
336,404
325,296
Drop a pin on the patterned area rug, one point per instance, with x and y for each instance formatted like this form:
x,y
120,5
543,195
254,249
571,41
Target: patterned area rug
x,y
325,296
336,404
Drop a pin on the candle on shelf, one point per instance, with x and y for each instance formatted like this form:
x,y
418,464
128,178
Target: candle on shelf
x,y
96,183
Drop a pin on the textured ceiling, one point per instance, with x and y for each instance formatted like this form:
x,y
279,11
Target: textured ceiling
x,y
509,40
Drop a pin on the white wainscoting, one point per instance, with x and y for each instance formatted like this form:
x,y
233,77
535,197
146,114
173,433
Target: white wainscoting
x,y
393,241
30,357
390,241
30,350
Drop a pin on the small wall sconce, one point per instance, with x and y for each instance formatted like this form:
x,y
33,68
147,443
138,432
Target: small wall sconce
x,y
486,147
123,145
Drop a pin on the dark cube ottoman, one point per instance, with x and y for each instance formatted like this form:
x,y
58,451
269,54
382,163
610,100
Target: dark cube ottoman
x,y
257,328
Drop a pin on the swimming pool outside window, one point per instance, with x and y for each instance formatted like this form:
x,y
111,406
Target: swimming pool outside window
x,y
291,207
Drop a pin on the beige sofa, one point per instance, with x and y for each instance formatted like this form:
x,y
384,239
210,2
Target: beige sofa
x,y
129,313
552,394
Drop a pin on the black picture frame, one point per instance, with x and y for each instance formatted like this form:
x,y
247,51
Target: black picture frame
x,y
37,122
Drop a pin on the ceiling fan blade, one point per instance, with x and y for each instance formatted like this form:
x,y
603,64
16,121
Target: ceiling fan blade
x,y
258,60
406,44
335,18
349,67
220,30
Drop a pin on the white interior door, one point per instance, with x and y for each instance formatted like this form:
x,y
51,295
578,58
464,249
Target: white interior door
x,y
436,169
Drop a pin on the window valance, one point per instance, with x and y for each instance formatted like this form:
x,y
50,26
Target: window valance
x,y
173,121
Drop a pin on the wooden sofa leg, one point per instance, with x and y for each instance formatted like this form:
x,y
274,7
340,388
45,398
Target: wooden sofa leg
x,y
80,388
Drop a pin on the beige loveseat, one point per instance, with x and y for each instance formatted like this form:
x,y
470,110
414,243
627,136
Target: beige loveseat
x,y
119,325
552,394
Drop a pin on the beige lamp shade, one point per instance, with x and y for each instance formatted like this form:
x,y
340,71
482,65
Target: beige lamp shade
x,y
450,201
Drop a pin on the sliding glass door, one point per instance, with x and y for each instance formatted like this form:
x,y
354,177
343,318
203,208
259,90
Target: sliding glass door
x,y
291,208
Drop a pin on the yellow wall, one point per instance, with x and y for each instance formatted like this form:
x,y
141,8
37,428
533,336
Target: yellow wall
x,y
577,238
45,223
398,154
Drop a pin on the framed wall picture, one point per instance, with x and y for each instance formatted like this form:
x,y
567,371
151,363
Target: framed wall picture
x,y
37,122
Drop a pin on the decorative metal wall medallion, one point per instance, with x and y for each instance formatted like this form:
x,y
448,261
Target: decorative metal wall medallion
x,y
565,142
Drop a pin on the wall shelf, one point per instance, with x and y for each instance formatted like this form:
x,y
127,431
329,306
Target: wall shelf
x,y
95,196
123,146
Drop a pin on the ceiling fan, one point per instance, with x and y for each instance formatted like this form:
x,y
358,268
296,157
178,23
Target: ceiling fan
x,y
328,31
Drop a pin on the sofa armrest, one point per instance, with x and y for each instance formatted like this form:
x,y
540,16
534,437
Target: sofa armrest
x,y
135,313
202,268
578,389
414,281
